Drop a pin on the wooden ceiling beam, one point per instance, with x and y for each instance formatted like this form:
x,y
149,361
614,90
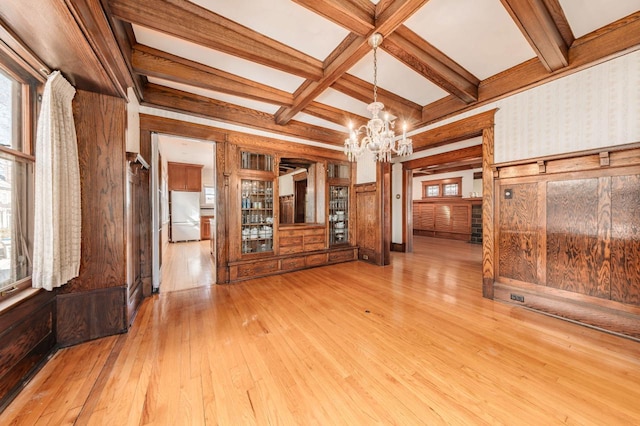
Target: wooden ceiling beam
x,y
558,16
179,101
357,88
155,63
310,90
470,154
392,17
611,41
448,168
188,21
356,17
428,61
539,28
456,131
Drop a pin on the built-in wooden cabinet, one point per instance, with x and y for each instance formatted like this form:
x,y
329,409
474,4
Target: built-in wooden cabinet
x,y
261,244
338,203
443,218
257,216
205,227
185,177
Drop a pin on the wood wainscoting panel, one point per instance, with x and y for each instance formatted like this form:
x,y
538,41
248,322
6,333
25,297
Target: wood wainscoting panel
x,y
27,337
573,258
91,314
518,246
625,239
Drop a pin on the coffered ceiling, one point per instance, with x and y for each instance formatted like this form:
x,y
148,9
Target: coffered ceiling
x,y
302,69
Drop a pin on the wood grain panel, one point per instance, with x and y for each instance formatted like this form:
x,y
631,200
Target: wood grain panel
x,y
625,236
367,223
460,218
572,236
27,336
91,314
488,200
100,128
518,244
52,34
443,217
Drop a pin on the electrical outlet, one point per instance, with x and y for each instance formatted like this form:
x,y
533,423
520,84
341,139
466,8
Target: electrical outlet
x,y
365,257
517,297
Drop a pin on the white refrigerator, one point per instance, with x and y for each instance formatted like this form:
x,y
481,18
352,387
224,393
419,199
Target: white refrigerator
x,y
185,216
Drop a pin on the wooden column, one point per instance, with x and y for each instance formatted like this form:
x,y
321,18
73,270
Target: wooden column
x,y
94,304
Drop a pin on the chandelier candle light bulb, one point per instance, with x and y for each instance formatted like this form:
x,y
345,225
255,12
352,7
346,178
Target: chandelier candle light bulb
x,y
379,137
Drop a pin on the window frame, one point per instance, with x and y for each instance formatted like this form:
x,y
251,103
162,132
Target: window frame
x,y
441,183
31,87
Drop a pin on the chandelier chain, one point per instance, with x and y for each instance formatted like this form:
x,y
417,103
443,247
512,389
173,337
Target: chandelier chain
x,y
375,74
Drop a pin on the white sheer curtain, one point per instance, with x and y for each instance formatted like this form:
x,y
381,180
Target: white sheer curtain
x,y
56,248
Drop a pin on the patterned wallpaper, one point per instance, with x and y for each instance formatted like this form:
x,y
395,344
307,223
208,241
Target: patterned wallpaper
x,y
597,107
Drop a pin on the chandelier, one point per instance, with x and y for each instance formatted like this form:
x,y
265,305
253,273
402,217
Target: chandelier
x,y
379,137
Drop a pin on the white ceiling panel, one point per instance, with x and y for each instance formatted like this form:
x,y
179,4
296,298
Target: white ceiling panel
x,y
310,119
396,77
284,21
235,100
182,150
477,34
337,99
219,60
585,16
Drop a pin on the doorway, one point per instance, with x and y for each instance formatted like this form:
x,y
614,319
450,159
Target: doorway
x,y
181,265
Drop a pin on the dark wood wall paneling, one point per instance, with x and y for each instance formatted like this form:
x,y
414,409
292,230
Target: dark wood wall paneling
x,y
94,304
373,218
568,237
27,338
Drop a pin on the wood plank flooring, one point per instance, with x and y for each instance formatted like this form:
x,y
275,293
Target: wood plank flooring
x,y
187,265
412,343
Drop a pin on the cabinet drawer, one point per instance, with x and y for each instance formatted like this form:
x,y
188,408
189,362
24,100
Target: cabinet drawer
x,y
290,241
290,249
341,256
257,268
316,259
292,263
310,239
314,246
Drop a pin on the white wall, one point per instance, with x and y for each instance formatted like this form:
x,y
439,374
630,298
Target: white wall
x,y
467,182
132,142
366,168
285,183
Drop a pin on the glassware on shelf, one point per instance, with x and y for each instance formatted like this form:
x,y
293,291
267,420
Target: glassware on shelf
x,y
257,216
338,214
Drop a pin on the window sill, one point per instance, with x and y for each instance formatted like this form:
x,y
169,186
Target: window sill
x,y
10,301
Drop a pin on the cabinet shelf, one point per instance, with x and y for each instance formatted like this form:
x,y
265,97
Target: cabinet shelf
x,y
256,209
338,214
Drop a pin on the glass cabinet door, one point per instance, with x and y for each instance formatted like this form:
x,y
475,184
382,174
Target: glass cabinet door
x,y
338,214
257,216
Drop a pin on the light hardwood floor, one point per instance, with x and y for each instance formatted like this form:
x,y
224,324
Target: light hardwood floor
x,y
411,343
187,265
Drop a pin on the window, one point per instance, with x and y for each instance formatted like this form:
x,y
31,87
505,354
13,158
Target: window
x,y
433,191
16,185
442,188
450,189
209,195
